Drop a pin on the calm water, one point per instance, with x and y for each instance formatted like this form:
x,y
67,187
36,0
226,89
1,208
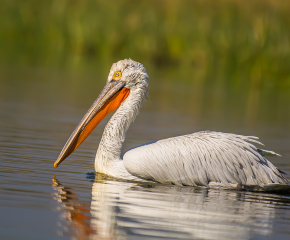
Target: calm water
x,y
38,112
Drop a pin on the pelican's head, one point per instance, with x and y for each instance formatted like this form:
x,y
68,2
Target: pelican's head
x,y
125,76
130,73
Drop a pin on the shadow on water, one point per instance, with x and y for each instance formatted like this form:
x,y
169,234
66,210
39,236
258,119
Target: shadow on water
x,y
125,210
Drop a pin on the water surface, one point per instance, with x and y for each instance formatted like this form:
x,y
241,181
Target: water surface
x,y
38,112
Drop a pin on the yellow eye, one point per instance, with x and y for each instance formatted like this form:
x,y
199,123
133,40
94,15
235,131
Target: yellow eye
x,y
117,76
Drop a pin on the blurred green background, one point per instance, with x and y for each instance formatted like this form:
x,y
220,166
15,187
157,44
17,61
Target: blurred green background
x,y
230,53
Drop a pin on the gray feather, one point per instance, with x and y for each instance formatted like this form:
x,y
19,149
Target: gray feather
x,y
204,157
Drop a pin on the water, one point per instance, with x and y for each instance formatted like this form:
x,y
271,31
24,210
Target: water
x,y
38,112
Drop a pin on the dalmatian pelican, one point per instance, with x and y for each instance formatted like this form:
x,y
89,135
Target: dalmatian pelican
x,y
207,158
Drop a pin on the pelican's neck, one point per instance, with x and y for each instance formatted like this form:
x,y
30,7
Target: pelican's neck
x,y
108,159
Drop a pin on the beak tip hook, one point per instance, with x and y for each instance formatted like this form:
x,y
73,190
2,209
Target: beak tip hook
x,y
55,165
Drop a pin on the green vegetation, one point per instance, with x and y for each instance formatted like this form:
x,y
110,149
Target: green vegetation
x,y
218,44
240,38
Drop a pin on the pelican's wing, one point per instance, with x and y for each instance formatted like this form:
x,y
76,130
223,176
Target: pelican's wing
x,y
202,159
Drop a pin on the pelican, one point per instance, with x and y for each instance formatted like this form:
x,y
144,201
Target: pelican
x,y
208,159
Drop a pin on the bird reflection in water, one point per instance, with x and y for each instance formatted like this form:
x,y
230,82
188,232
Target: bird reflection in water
x,y
75,216
128,210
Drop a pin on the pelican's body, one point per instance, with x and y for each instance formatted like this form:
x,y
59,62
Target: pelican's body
x,y
210,159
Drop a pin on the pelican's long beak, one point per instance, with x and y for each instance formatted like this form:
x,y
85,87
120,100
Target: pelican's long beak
x,y
113,94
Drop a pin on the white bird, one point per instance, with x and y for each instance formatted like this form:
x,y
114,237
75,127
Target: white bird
x,y
209,159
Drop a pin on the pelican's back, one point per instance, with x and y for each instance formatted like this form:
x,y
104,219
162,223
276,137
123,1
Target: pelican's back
x,y
206,158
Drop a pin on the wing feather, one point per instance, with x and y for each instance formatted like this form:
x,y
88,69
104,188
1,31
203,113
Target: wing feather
x,y
203,159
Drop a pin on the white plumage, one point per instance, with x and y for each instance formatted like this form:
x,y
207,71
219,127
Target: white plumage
x,y
209,159
203,159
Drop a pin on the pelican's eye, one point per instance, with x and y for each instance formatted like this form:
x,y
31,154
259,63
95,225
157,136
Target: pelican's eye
x,y
117,76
